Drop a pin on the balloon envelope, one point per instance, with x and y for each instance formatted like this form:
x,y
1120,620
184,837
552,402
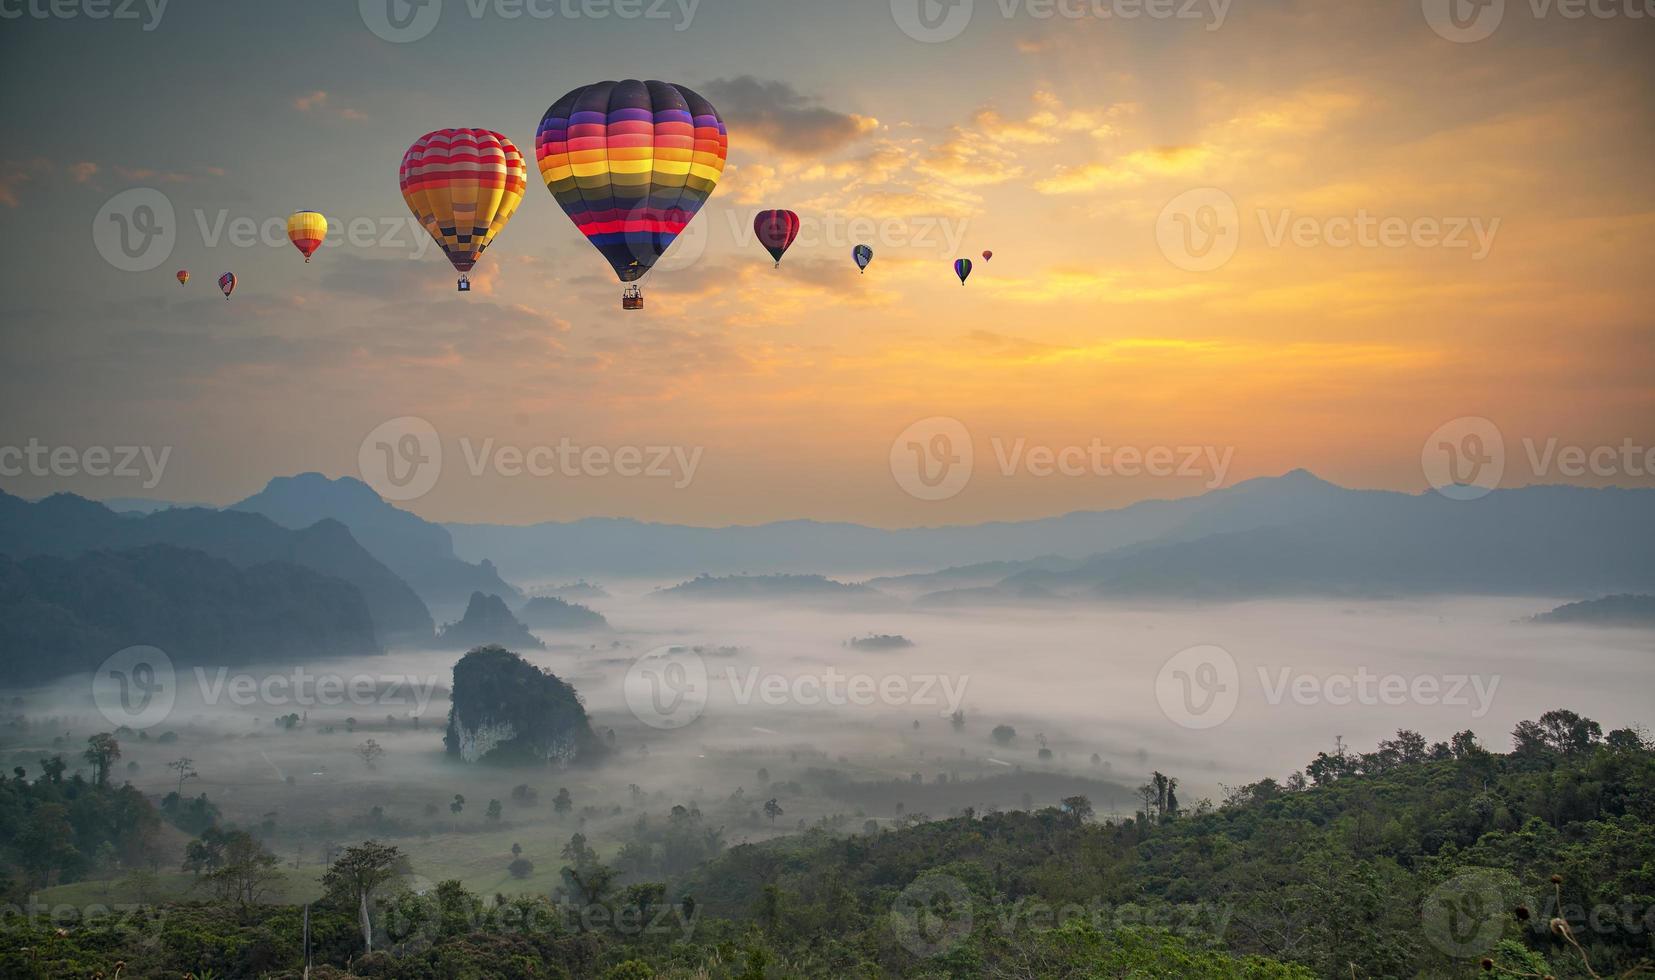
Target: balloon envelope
x,y
987,256
776,230
227,282
631,163
306,229
183,276
962,268
863,255
463,185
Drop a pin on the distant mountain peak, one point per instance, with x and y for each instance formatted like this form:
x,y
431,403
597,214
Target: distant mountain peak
x,y
419,551
312,482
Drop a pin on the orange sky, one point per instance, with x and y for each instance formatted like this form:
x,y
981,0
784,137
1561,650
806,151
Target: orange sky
x,y
1505,274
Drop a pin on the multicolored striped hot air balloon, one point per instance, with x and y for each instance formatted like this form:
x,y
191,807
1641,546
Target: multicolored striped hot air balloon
x,y
463,185
962,268
863,255
227,283
183,276
631,163
306,229
776,231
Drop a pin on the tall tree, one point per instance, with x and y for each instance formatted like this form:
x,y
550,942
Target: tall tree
x,y
102,751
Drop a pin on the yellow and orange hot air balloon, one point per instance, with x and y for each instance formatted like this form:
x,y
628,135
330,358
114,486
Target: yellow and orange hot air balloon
x,y
183,276
306,229
463,185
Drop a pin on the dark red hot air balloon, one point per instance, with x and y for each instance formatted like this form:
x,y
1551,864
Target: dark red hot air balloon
x,y
776,231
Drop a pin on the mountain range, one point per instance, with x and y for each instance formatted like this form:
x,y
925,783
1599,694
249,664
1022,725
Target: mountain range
x,y
1293,534
65,615
418,551
67,526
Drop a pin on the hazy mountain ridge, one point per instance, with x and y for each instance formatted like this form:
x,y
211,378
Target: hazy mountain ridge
x,y
487,622
60,615
807,588
620,546
552,613
1290,535
1533,540
64,525
420,552
1611,610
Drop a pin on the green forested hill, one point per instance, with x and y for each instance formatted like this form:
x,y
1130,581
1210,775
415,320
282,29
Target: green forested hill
x,y
1415,860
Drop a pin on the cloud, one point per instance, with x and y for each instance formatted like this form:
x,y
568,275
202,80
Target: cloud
x,y
784,119
1127,170
155,176
319,100
83,171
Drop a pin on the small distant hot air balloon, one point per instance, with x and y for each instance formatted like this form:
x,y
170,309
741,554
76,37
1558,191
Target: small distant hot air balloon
x,y
987,256
631,163
863,255
306,229
463,185
183,276
227,283
962,268
776,231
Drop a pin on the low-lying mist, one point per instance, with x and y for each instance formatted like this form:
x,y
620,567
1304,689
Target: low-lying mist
x,y
1051,701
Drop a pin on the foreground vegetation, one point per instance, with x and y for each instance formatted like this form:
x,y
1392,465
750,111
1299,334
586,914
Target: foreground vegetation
x,y
1414,860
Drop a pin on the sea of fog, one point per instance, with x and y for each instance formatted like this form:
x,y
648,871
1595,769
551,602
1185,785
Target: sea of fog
x,y
1210,694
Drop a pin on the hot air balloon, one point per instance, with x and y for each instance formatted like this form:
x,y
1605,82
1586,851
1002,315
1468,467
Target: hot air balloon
x,y
306,229
631,163
776,231
962,268
463,185
863,255
183,276
227,283
987,256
